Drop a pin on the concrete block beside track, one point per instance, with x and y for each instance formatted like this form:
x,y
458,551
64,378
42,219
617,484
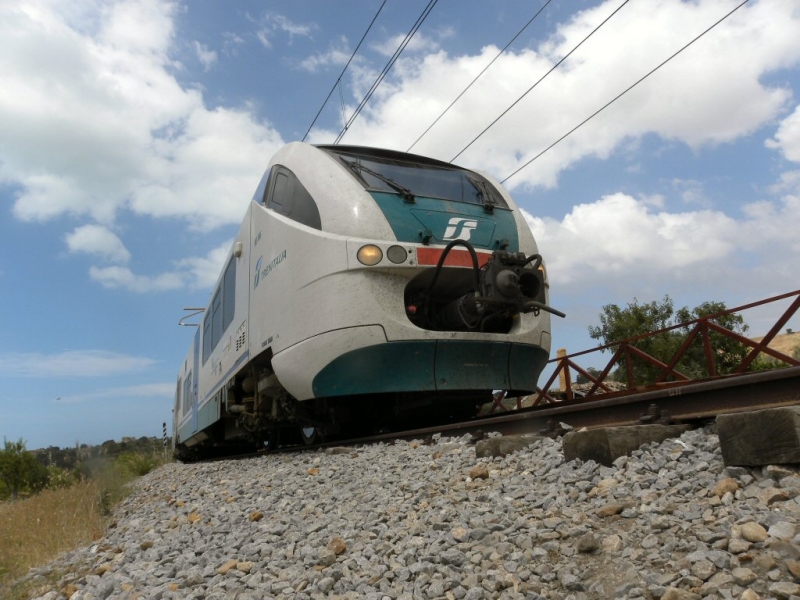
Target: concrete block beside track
x,y
761,437
502,446
607,444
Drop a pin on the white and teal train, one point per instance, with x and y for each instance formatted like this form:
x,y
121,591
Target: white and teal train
x,y
365,290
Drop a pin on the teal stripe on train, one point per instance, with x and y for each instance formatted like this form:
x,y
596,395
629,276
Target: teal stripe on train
x,y
432,365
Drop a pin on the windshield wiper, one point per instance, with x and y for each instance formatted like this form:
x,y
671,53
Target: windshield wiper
x,y
484,191
404,192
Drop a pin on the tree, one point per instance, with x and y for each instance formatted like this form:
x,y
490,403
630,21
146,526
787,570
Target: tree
x,y
19,469
728,353
617,324
581,378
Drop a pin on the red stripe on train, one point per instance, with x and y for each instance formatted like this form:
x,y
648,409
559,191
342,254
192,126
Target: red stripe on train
x,y
455,258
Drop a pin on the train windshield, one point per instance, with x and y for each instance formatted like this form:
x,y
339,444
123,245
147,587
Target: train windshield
x,y
401,174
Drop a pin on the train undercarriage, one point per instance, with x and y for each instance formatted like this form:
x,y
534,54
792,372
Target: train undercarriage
x,y
259,414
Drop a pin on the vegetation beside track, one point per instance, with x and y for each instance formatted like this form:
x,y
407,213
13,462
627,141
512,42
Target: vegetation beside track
x,y
71,509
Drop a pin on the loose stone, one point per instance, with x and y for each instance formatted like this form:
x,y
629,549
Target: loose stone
x,y
753,532
416,520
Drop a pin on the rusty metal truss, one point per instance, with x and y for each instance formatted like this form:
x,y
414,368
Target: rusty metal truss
x,y
626,353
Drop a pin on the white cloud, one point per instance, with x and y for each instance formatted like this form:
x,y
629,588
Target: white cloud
x,y
715,92
619,239
72,363
207,57
691,191
98,240
338,55
293,29
104,86
787,138
270,23
620,235
204,271
789,182
772,227
194,272
147,390
207,174
123,277
101,81
231,44
419,43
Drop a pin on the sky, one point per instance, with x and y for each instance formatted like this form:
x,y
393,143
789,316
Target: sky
x,y
134,132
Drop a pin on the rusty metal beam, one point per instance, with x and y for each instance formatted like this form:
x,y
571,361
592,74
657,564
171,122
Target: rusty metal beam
x,y
692,401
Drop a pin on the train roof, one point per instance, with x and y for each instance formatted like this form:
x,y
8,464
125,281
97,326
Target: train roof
x,y
385,154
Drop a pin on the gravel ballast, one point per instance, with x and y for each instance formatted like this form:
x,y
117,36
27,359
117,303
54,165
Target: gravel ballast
x,y
414,520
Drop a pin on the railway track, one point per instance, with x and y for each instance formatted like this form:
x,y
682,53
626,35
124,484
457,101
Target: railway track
x,y
686,403
673,399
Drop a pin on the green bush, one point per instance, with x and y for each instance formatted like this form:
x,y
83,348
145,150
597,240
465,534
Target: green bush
x,y
20,472
138,463
62,478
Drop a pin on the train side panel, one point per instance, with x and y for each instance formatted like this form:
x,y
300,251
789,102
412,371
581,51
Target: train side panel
x,y
220,346
184,413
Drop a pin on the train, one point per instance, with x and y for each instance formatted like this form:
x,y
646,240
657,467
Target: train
x,y
366,290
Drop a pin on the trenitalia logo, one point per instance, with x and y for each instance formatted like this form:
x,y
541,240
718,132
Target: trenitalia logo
x,y
459,228
262,273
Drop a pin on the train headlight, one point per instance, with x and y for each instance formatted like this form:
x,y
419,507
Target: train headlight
x,y
397,254
369,255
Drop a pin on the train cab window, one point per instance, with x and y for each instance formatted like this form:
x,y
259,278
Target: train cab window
x,y
260,195
285,194
387,171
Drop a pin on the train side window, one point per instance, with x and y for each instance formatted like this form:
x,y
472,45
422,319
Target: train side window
x,y
216,318
187,393
220,315
286,195
207,346
178,397
229,294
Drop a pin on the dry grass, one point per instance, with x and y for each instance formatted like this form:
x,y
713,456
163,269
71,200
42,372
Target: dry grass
x,y
35,530
788,343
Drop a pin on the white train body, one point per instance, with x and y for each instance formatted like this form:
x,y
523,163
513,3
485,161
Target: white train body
x,y
301,332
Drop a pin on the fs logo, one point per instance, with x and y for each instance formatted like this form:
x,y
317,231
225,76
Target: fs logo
x,y
459,228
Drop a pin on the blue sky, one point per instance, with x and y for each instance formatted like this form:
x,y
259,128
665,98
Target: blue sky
x,y
133,134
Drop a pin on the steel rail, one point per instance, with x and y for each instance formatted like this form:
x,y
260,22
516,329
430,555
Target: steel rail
x,y
688,403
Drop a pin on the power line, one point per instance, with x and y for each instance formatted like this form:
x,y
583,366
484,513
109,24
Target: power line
x,y
530,89
464,91
598,111
339,79
386,69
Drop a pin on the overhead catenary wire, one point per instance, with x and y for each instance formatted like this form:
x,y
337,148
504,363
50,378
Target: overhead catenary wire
x,y
339,79
479,75
628,89
421,19
530,89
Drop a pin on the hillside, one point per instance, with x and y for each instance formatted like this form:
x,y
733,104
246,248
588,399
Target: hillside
x,y
785,342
